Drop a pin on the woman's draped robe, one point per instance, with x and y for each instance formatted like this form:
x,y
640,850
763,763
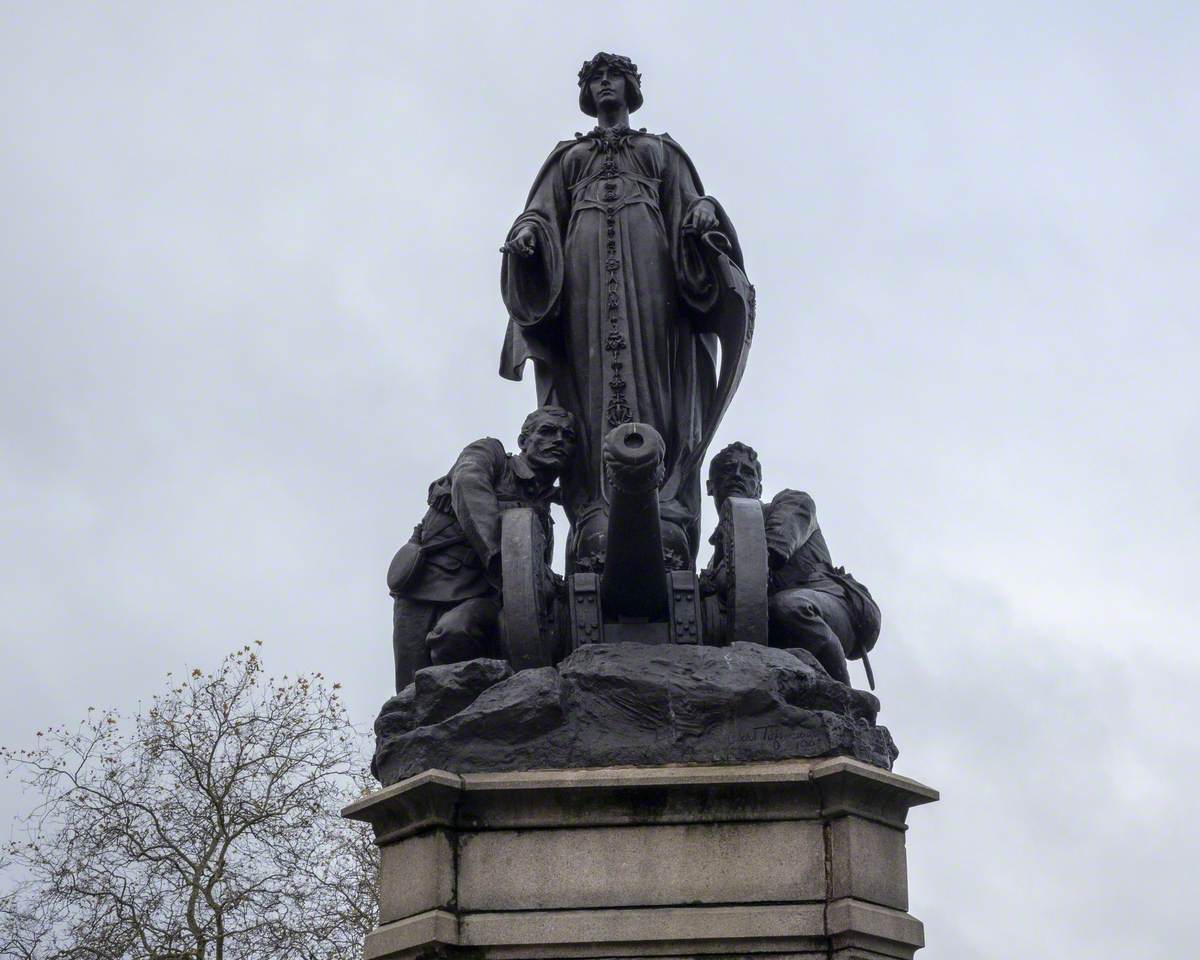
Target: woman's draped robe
x,y
611,306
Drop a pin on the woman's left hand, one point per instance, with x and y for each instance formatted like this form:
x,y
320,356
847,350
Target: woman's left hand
x,y
703,217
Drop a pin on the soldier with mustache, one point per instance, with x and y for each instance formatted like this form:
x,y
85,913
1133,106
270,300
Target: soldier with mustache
x,y
446,579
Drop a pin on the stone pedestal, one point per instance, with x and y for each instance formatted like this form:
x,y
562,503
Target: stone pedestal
x,y
793,859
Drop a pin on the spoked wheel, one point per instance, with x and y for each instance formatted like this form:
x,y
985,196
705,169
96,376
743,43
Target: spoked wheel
x,y
528,628
746,557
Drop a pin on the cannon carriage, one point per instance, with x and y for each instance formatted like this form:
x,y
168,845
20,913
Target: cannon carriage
x,y
636,598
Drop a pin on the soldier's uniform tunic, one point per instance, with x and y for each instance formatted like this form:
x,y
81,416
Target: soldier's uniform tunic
x,y
448,611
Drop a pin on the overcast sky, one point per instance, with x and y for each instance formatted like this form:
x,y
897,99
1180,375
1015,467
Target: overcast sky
x,y
250,308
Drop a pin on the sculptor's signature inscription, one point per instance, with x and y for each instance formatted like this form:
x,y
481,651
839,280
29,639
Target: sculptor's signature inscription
x,y
771,733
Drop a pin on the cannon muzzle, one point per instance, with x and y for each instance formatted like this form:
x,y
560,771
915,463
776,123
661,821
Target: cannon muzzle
x,y
635,583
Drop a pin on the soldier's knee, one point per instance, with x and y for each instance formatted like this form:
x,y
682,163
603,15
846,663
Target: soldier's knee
x,y
789,605
465,632
794,621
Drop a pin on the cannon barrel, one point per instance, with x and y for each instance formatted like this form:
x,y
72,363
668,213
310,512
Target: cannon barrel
x,y
635,583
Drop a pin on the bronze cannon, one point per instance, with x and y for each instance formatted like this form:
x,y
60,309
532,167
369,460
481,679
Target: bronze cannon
x,y
636,598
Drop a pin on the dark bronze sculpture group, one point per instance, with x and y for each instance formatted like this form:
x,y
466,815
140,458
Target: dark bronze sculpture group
x,y
625,285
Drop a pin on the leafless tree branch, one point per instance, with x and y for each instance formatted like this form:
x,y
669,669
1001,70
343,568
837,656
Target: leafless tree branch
x,y
205,826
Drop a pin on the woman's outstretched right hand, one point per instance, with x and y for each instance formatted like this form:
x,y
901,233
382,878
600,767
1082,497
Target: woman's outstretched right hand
x,y
523,242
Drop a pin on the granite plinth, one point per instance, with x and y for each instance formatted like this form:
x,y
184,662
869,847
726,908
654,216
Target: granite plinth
x,y
802,858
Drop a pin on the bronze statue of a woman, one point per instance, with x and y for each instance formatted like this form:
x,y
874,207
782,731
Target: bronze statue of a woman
x,y
616,277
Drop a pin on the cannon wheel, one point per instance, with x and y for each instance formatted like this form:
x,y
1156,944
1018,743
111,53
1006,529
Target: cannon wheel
x,y
527,619
746,554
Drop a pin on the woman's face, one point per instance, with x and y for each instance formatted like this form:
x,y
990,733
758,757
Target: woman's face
x,y
607,87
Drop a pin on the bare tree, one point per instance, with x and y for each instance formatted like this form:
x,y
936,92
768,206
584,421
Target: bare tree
x,y
205,827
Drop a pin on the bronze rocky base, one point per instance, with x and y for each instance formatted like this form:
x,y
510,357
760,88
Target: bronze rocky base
x,y
627,704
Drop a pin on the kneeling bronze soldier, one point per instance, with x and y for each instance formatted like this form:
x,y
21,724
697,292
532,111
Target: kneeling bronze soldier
x,y
811,603
446,579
